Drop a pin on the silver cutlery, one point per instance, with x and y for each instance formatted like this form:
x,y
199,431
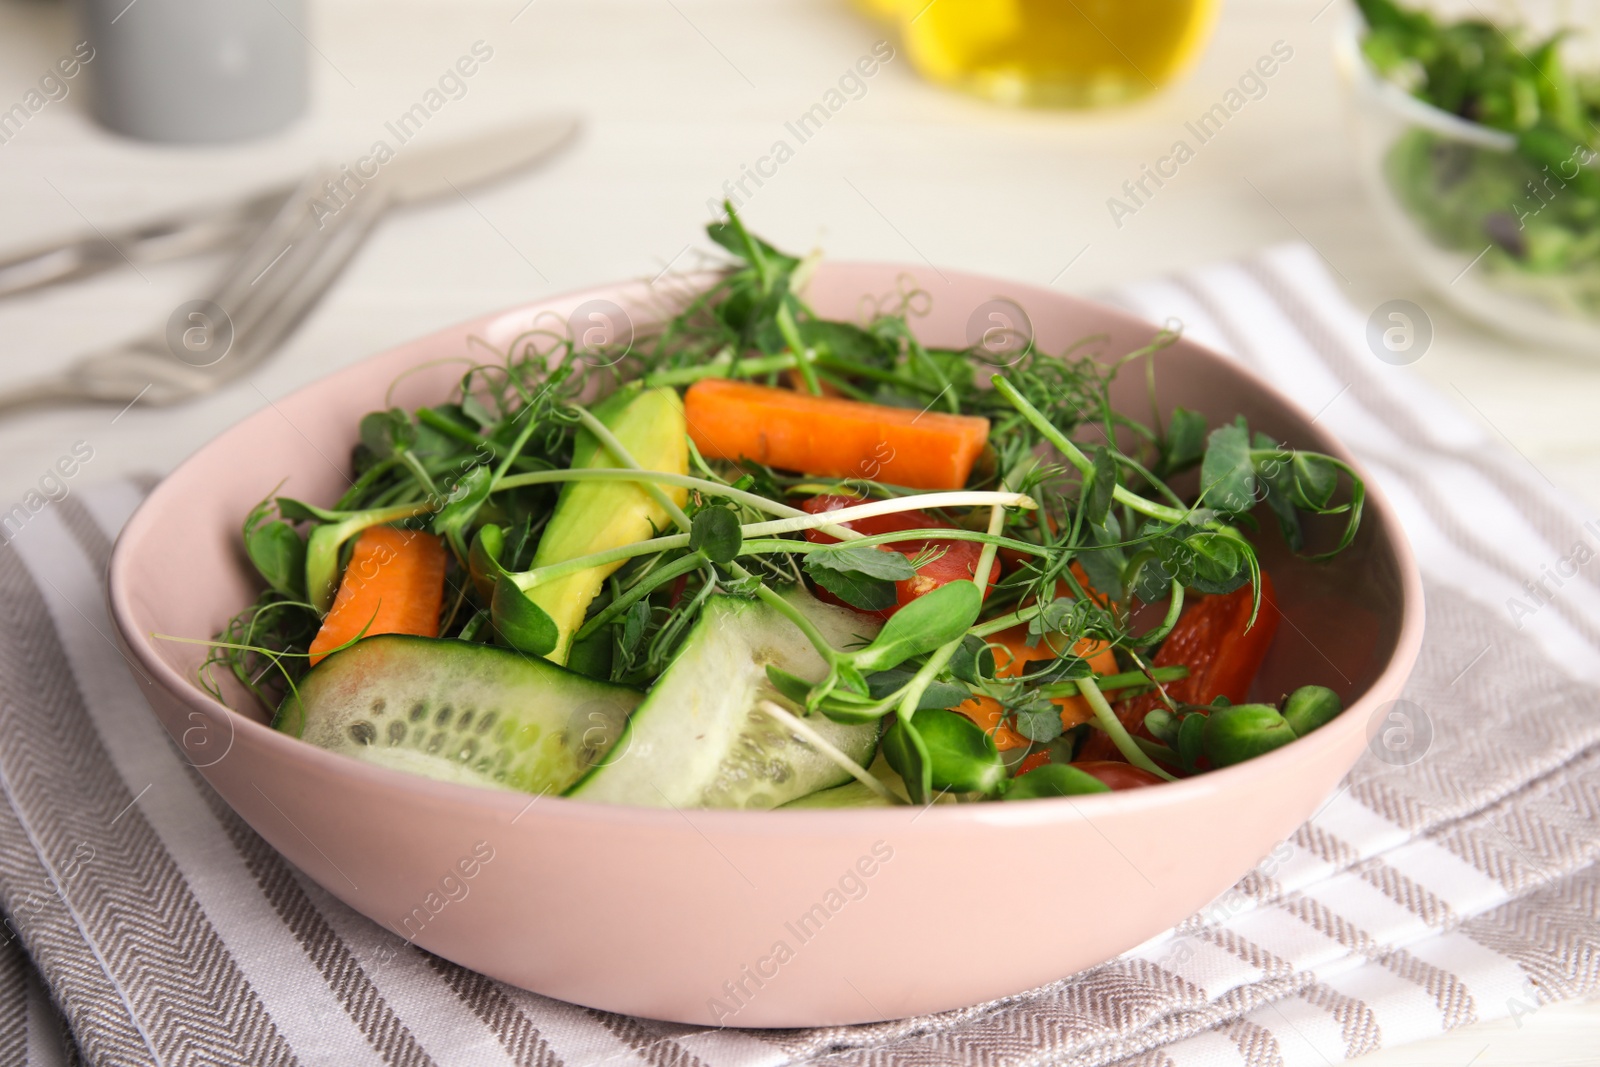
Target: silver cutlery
x,y
299,242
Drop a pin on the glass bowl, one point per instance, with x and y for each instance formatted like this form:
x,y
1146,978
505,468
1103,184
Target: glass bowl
x,y
1494,235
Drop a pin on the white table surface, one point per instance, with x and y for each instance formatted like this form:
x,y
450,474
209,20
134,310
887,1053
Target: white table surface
x,y
678,94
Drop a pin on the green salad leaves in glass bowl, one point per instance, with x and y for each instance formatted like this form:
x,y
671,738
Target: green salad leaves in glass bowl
x,y
1479,141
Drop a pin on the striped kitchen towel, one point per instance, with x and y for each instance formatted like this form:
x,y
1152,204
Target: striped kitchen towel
x,y
1452,878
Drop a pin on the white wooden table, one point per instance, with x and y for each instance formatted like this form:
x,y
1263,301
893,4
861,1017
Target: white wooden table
x,y
679,94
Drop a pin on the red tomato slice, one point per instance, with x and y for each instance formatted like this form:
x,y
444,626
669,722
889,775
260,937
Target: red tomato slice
x,y
957,561
1032,763
1117,776
1222,656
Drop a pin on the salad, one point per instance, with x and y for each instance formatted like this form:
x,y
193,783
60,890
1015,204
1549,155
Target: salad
x,y
765,558
1532,207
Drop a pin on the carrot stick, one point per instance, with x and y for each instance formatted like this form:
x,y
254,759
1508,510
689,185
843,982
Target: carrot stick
x,y
833,436
394,584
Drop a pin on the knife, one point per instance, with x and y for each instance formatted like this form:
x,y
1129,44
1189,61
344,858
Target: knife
x,y
290,262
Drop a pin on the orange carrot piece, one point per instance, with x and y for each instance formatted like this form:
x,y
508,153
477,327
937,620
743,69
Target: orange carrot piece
x,y
833,437
394,584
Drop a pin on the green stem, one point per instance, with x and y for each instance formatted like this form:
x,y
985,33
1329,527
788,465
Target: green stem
x,y
680,566
420,473
1005,622
365,482
516,448
435,421
526,580
721,368
1157,751
980,576
1174,609
1122,680
1116,731
613,474
805,356
1075,456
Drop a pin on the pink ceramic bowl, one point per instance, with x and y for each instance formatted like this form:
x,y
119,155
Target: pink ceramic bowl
x,y
785,918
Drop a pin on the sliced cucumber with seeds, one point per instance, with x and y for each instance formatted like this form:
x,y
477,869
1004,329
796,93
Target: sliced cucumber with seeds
x,y
701,740
457,711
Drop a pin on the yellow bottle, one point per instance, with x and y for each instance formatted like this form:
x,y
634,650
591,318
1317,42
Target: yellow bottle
x,y
887,10
1056,53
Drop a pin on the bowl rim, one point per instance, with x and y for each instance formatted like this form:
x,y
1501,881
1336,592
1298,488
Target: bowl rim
x,y
797,822
1415,111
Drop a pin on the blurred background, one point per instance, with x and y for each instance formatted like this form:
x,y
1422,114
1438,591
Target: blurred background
x,y
932,156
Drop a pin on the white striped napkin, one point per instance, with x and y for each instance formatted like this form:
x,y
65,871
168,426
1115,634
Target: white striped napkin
x,y
1461,887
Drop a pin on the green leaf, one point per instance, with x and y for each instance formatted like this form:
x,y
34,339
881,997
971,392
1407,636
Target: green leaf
x,y
1056,671
592,656
1163,726
1275,473
936,618
1185,440
795,688
733,236
1154,582
868,594
906,752
1227,474
871,561
1054,780
844,341
960,756
1102,484
1039,721
1191,740
279,556
483,559
1213,557
851,678
299,511
937,695
973,662
715,532
388,432
1104,566
461,506
634,624
473,409
519,622
1315,479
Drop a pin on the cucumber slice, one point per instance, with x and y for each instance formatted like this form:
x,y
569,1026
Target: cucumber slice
x,y
458,712
700,740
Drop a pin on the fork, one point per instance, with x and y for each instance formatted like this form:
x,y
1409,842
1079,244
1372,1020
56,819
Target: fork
x,y
261,298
